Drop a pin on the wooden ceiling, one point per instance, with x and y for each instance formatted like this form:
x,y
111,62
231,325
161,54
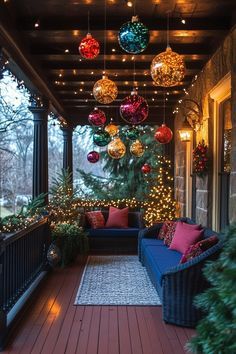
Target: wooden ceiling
x,y
52,48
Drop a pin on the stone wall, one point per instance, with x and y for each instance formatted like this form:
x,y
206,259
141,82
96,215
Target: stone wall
x,y
221,63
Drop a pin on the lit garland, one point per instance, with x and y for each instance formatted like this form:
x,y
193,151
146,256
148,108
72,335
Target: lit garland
x,y
200,159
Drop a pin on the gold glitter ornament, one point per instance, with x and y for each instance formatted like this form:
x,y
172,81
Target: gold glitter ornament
x,y
104,90
137,148
116,148
167,68
112,129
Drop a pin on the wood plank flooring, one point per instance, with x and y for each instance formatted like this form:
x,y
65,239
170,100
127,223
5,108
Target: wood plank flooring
x,y
52,324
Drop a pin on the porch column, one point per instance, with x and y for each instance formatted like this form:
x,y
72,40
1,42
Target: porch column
x,y
68,149
40,148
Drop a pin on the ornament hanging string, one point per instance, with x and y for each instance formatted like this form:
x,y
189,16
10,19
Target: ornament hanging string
x,y
164,95
88,22
134,76
168,28
134,7
105,28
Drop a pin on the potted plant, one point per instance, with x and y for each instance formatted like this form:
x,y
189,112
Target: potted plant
x,y
71,240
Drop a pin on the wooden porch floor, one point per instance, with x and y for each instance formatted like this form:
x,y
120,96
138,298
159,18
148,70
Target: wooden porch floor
x,y
52,324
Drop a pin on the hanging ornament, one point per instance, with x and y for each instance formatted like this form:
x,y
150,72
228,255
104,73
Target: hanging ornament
x,y
163,134
116,148
137,148
101,138
53,255
134,109
167,68
105,91
112,129
89,47
146,168
97,117
132,133
133,36
93,156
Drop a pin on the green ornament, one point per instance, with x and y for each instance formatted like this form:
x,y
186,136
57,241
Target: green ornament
x,y
101,138
132,133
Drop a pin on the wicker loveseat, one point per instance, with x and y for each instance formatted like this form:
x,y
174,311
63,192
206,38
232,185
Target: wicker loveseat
x,y
177,284
115,240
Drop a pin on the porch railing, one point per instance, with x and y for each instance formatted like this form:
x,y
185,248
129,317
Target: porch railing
x,y
23,257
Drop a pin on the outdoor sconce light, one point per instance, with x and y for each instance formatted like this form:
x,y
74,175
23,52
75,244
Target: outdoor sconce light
x,y
185,132
192,112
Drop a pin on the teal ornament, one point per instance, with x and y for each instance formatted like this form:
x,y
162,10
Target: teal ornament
x,y
133,36
132,133
101,138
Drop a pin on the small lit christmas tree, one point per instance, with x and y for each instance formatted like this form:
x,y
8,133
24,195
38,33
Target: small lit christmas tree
x,y
62,207
160,205
217,331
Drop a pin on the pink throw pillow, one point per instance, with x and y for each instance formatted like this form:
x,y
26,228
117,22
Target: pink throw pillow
x,y
117,218
96,219
185,236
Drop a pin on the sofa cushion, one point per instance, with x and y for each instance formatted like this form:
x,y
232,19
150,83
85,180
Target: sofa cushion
x,y
185,235
95,219
118,218
160,259
114,232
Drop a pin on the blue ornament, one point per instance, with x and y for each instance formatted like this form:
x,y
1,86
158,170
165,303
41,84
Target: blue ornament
x,y
133,36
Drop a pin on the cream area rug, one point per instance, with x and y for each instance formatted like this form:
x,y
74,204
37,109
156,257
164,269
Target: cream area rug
x,y
116,280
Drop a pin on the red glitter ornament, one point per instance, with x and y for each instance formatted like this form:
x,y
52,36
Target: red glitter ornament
x,y
146,168
93,156
97,117
134,109
163,134
89,47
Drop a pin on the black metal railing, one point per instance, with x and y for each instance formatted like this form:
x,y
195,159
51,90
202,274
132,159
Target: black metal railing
x,y
23,257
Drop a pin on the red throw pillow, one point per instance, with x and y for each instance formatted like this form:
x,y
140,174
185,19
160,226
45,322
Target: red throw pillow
x,y
185,236
96,219
199,247
117,218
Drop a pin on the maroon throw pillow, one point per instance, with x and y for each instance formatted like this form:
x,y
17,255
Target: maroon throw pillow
x,y
163,230
95,219
199,247
184,237
170,230
117,218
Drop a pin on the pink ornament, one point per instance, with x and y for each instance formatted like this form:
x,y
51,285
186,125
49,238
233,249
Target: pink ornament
x,y
134,109
163,134
93,156
97,117
146,168
89,48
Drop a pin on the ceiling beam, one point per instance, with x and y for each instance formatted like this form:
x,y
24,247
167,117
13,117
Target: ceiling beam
x,y
114,22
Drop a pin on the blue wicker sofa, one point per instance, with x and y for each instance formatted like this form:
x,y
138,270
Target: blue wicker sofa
x,y
177,284
116,240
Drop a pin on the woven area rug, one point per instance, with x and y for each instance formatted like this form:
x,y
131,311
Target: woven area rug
x,y
116,280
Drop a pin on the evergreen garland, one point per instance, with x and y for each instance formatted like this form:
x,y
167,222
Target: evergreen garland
x,y
216,332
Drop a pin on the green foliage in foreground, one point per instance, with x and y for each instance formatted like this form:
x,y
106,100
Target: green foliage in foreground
x,y
216,333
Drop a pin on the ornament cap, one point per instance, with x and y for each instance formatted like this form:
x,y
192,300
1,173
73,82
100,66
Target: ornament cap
x,y
88,35
104,76
135,18
168,48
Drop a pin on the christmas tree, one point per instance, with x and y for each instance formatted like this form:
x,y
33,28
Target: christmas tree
x,y
159,204
62,206
126,179
216,332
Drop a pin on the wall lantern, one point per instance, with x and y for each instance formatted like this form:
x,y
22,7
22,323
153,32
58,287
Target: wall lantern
x,y
185,132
